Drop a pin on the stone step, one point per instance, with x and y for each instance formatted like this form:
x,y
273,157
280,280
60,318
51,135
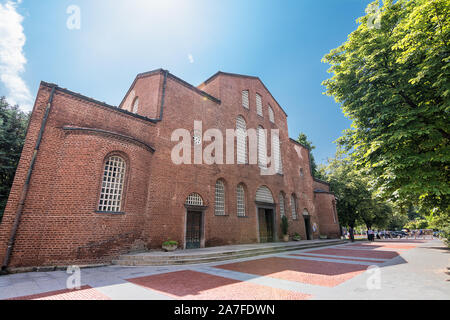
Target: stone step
x,y
180,259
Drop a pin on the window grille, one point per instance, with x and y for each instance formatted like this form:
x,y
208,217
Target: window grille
x,y
240,196
263,194
271,115
259,108
262,148
194,199
112,185
220,199
241,134
245,103
277,153
294,207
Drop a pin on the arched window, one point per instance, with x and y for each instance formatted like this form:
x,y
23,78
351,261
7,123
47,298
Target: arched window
x,y
277,152
194,199
245,103
271,115
219,209
263,194
135,108
294,206
262,148
281,201
259,109
241,134
112,185
240,200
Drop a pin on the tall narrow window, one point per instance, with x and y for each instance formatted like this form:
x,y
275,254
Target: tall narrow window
x,y
241,135
135,105
271,115
219,209
262,148
294,207
240,200
112,185
245,103
281,201
259,108
277,152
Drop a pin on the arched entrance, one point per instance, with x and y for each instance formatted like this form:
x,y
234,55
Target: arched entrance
x,y
194,235
265,208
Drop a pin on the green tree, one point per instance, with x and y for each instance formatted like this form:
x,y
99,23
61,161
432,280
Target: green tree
x,y
348,185
303,139
393,82
13,126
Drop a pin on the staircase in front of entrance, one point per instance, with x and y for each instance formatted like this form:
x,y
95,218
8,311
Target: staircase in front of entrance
x,y
213,254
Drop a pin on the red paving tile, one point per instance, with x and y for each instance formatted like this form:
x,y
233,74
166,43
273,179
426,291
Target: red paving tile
x,y
320,273
383,246
379,254
335,258
193,285
85,293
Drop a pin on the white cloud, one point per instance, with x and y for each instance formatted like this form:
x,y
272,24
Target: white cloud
x,y
191,58
12,58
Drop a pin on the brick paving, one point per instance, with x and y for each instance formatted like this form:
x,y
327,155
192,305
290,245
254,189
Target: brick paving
x,y
192,285
84,293
414,269
335,258
358,253
312,272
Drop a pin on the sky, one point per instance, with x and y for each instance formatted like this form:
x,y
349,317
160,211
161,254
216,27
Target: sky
x,y
97,47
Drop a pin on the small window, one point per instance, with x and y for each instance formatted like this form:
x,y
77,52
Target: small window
x,y
135,105
112,185
240,200
294,207
301,172
245,103
194,199
219,209
271,115
259,108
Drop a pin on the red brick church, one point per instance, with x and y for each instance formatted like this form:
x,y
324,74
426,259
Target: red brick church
x,y
95,181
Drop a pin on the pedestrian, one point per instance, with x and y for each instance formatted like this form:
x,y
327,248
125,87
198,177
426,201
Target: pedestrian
x,y
370,233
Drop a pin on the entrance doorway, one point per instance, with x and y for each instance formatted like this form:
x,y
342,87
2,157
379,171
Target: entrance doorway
x,y
307,227
266,225
193,229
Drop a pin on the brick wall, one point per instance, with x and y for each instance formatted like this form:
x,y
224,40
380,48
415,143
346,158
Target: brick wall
x,y
60,224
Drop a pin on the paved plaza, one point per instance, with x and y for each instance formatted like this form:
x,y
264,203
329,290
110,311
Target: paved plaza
x,y
385,269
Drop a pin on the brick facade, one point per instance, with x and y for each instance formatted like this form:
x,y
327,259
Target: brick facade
x,y
59,221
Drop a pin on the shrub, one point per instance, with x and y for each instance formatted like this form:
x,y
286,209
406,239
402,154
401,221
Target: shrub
x,y
170,243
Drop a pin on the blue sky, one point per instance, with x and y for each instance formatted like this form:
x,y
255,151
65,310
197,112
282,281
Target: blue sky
x,y
282,42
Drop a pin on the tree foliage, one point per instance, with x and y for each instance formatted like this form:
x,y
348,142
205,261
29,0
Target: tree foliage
x,y
394,83
303,139
13,126
356,203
